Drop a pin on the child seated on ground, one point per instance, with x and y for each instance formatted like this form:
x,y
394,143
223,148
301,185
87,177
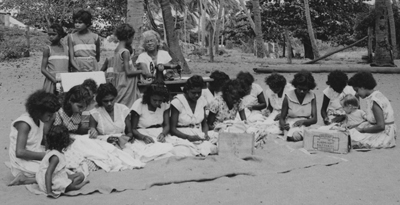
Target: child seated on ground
x,y
355,117
53,177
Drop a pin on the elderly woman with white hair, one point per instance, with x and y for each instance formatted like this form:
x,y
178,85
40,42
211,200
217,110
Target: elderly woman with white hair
x,y
152,57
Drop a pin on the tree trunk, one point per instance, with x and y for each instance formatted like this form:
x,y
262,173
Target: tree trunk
x,y
203,24
184,25
260,51
308,52
383,54
289,46
370,39
210,46
310,29
174,48
392,28
217,26
28,42
252,24
134,17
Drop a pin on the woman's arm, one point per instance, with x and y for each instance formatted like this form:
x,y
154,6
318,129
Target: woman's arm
x,y
97,43
166,126
242,115
211,120
53,162
93,133
379,118
269,107
73,65
105,66
314,115
45,60
204,126
128,127
261,102
128,71
284,112
145,72
174,124
22,137
135,132
324,114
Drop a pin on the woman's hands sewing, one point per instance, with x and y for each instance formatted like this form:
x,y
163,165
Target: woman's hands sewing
x,y
93,133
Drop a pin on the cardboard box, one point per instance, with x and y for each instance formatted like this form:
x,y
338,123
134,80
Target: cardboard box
x,y
236,144
327,141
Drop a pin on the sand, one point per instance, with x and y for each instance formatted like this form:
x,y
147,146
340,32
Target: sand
x,y
364,178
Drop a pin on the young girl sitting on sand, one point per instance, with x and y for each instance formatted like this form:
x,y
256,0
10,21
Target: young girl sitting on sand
x,y
53,177
26,136
84,45
55,58
126,75
299,107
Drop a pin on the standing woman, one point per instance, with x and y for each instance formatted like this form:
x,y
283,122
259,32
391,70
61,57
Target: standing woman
x,y
55,58
188,121
299,107
153,57
84,45
381,131
126,75
150,124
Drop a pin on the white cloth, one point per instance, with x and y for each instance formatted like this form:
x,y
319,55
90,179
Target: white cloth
x,y
355,118
33,143
153,151
60,179
335,106
276,101
147,117
183,147
106,125
298,111
250,100
163,57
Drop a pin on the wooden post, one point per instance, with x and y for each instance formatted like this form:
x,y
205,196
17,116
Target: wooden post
x,y
28,42
289,46
370,39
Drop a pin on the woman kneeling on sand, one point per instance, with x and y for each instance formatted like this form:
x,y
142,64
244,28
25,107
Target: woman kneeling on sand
x,y
381,131
26,150
150,124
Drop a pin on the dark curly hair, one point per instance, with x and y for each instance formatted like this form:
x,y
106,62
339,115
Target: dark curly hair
x,y
363,79
304,78
275,80
246,80
91,85
124,31
58,138
195,81
59,30
155,89
84,16
104,90
77,94
40,102
337,80
219,79
233,90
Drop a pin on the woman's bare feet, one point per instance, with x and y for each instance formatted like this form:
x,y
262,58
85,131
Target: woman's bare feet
x,y
21,179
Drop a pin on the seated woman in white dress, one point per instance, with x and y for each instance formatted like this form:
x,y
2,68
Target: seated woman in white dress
x,y
331,109
110,118
150,124
26,150
278,88
380,132
215,86
188,121
254,101
299,107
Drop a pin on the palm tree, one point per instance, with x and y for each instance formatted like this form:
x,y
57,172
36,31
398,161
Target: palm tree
x,y
310,29
392,28
383,55
253,26
173,43
134,17
218,24
258,29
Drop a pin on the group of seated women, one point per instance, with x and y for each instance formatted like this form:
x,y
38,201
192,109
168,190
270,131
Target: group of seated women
x,y
118,137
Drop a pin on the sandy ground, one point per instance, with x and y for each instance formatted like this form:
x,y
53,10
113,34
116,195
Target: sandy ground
x,y
366,178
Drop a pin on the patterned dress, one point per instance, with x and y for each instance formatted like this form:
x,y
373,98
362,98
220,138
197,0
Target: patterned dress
x,y
221,110
57,63
72,123
384,139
